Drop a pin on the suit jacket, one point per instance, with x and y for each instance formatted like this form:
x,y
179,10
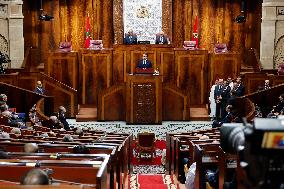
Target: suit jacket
x,y
218,91
240,90
163,38
147,65
39,91
130,39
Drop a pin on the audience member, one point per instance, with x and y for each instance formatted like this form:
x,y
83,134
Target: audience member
x,y
16,131
230,82
54,123
4,135
68,138
190,176
239,88
225,95
265,86
227,119
35,177
278,108
79,131
4,155
39,88
212,100
217,96
81,149
30,148
62,118
3,99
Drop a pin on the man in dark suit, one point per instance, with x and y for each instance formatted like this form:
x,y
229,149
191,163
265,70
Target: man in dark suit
x,y
130,38
227,119
161,38
239,87
39,89
225,95
217,96
144,62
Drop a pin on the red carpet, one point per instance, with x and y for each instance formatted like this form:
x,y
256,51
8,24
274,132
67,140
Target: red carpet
x,y
159,181
159,146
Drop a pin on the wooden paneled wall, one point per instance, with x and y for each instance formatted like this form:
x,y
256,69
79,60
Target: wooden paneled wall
x,y
216,23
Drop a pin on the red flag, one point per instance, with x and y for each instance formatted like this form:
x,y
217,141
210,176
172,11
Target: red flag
x,y
87,33
195,32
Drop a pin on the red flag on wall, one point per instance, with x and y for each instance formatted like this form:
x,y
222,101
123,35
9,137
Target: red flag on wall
x,y
87,33
195,32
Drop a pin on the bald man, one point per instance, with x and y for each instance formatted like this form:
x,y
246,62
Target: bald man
x,y
161,38
130,38
39,89
30,148
35,177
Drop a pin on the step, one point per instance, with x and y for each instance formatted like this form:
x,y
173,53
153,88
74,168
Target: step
x,y
87,113
199,113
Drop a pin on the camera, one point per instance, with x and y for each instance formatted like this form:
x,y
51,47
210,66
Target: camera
x,y
45,17
260,148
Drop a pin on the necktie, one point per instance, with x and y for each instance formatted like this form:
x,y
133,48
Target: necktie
x,y
161,39
144,61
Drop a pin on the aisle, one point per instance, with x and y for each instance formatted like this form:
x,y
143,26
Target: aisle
x,y
145,165
148,181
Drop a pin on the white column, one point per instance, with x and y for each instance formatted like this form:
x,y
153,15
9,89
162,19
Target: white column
x,y
272,30
11,31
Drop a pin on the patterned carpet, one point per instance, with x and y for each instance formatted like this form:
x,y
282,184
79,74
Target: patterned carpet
x,y
159,130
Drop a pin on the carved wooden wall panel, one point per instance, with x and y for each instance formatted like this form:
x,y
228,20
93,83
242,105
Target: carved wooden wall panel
x,y
95,74
63,67
175,104
216,23
111,105
223,66
191,74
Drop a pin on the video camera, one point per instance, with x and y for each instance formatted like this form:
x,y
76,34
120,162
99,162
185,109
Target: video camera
x,y
260,147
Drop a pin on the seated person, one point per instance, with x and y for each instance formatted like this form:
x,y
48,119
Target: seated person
x,y
265,86
161,38
227,119
62,118
278,108
130,38
35,177
144,62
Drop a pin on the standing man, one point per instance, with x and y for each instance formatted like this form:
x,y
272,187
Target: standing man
x,y
161,38
144,62
39,89
130,38
218,98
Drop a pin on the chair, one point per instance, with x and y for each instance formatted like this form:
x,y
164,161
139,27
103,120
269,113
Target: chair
x,y
146,144
65,46
220,48
281,69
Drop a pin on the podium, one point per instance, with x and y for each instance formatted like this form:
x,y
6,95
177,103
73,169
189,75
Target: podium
x,y
144,99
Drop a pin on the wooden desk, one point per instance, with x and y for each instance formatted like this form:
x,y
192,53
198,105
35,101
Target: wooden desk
x,y
144,99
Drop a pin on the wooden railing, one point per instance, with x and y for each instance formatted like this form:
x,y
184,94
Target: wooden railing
x,y
64,95
264,99
23,99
